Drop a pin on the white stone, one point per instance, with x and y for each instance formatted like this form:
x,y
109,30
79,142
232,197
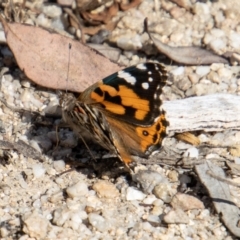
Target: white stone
x,y
77,190
237,160
203,138
208,38
234,40
42,20
217,33
59,165
134,194
164,191
225,73
36,102
201,9
52,11
25,84
218,45
149,179
2,37
131,22
178,71
176,37
60,216
35,225
149,199
38,170
34,144
202,70
153,219
191,152
75,220
26,95
132,43
98,222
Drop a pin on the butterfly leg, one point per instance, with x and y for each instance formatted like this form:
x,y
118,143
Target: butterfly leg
x,y
123,154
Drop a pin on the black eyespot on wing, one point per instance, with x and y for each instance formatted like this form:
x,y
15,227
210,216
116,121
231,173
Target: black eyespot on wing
x,y
145,133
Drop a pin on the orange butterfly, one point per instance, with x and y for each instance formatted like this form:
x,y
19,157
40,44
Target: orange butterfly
x,y
123,111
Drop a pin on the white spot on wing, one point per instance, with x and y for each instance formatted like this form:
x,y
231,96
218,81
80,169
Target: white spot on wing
x,y
150,79
149,72
145,85
141,66
127,77
156,119
155,96
161,108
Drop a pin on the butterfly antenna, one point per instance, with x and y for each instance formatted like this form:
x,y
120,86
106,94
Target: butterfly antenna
x,y
69,58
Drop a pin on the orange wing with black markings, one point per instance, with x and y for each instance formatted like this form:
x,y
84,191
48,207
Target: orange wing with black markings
x,y
129,104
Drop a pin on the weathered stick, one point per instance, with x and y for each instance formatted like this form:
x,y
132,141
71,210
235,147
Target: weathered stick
x,y
215,112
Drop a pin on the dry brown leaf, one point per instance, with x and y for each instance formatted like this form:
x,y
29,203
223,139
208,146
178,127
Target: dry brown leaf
x,y
109,52
89,5
103,17
44,57
183,3
110,26
186,55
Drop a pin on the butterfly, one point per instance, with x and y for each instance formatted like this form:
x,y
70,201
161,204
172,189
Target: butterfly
x,y
122,112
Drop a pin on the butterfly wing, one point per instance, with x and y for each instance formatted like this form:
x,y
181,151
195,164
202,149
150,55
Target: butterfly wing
x,y
131,95
137,140
130,100
123,111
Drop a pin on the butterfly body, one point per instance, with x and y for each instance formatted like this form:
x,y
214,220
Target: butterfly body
x,y
123,111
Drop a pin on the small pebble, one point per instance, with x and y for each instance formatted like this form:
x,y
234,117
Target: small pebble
x,y
164,191
38,170
176,216
178,71
35,225
98,222
186,202
134,194
106,189
59,165
52,11
149,179
149,199
202,70
191,152
77,190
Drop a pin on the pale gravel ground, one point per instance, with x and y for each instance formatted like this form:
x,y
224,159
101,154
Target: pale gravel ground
x,y
81,205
